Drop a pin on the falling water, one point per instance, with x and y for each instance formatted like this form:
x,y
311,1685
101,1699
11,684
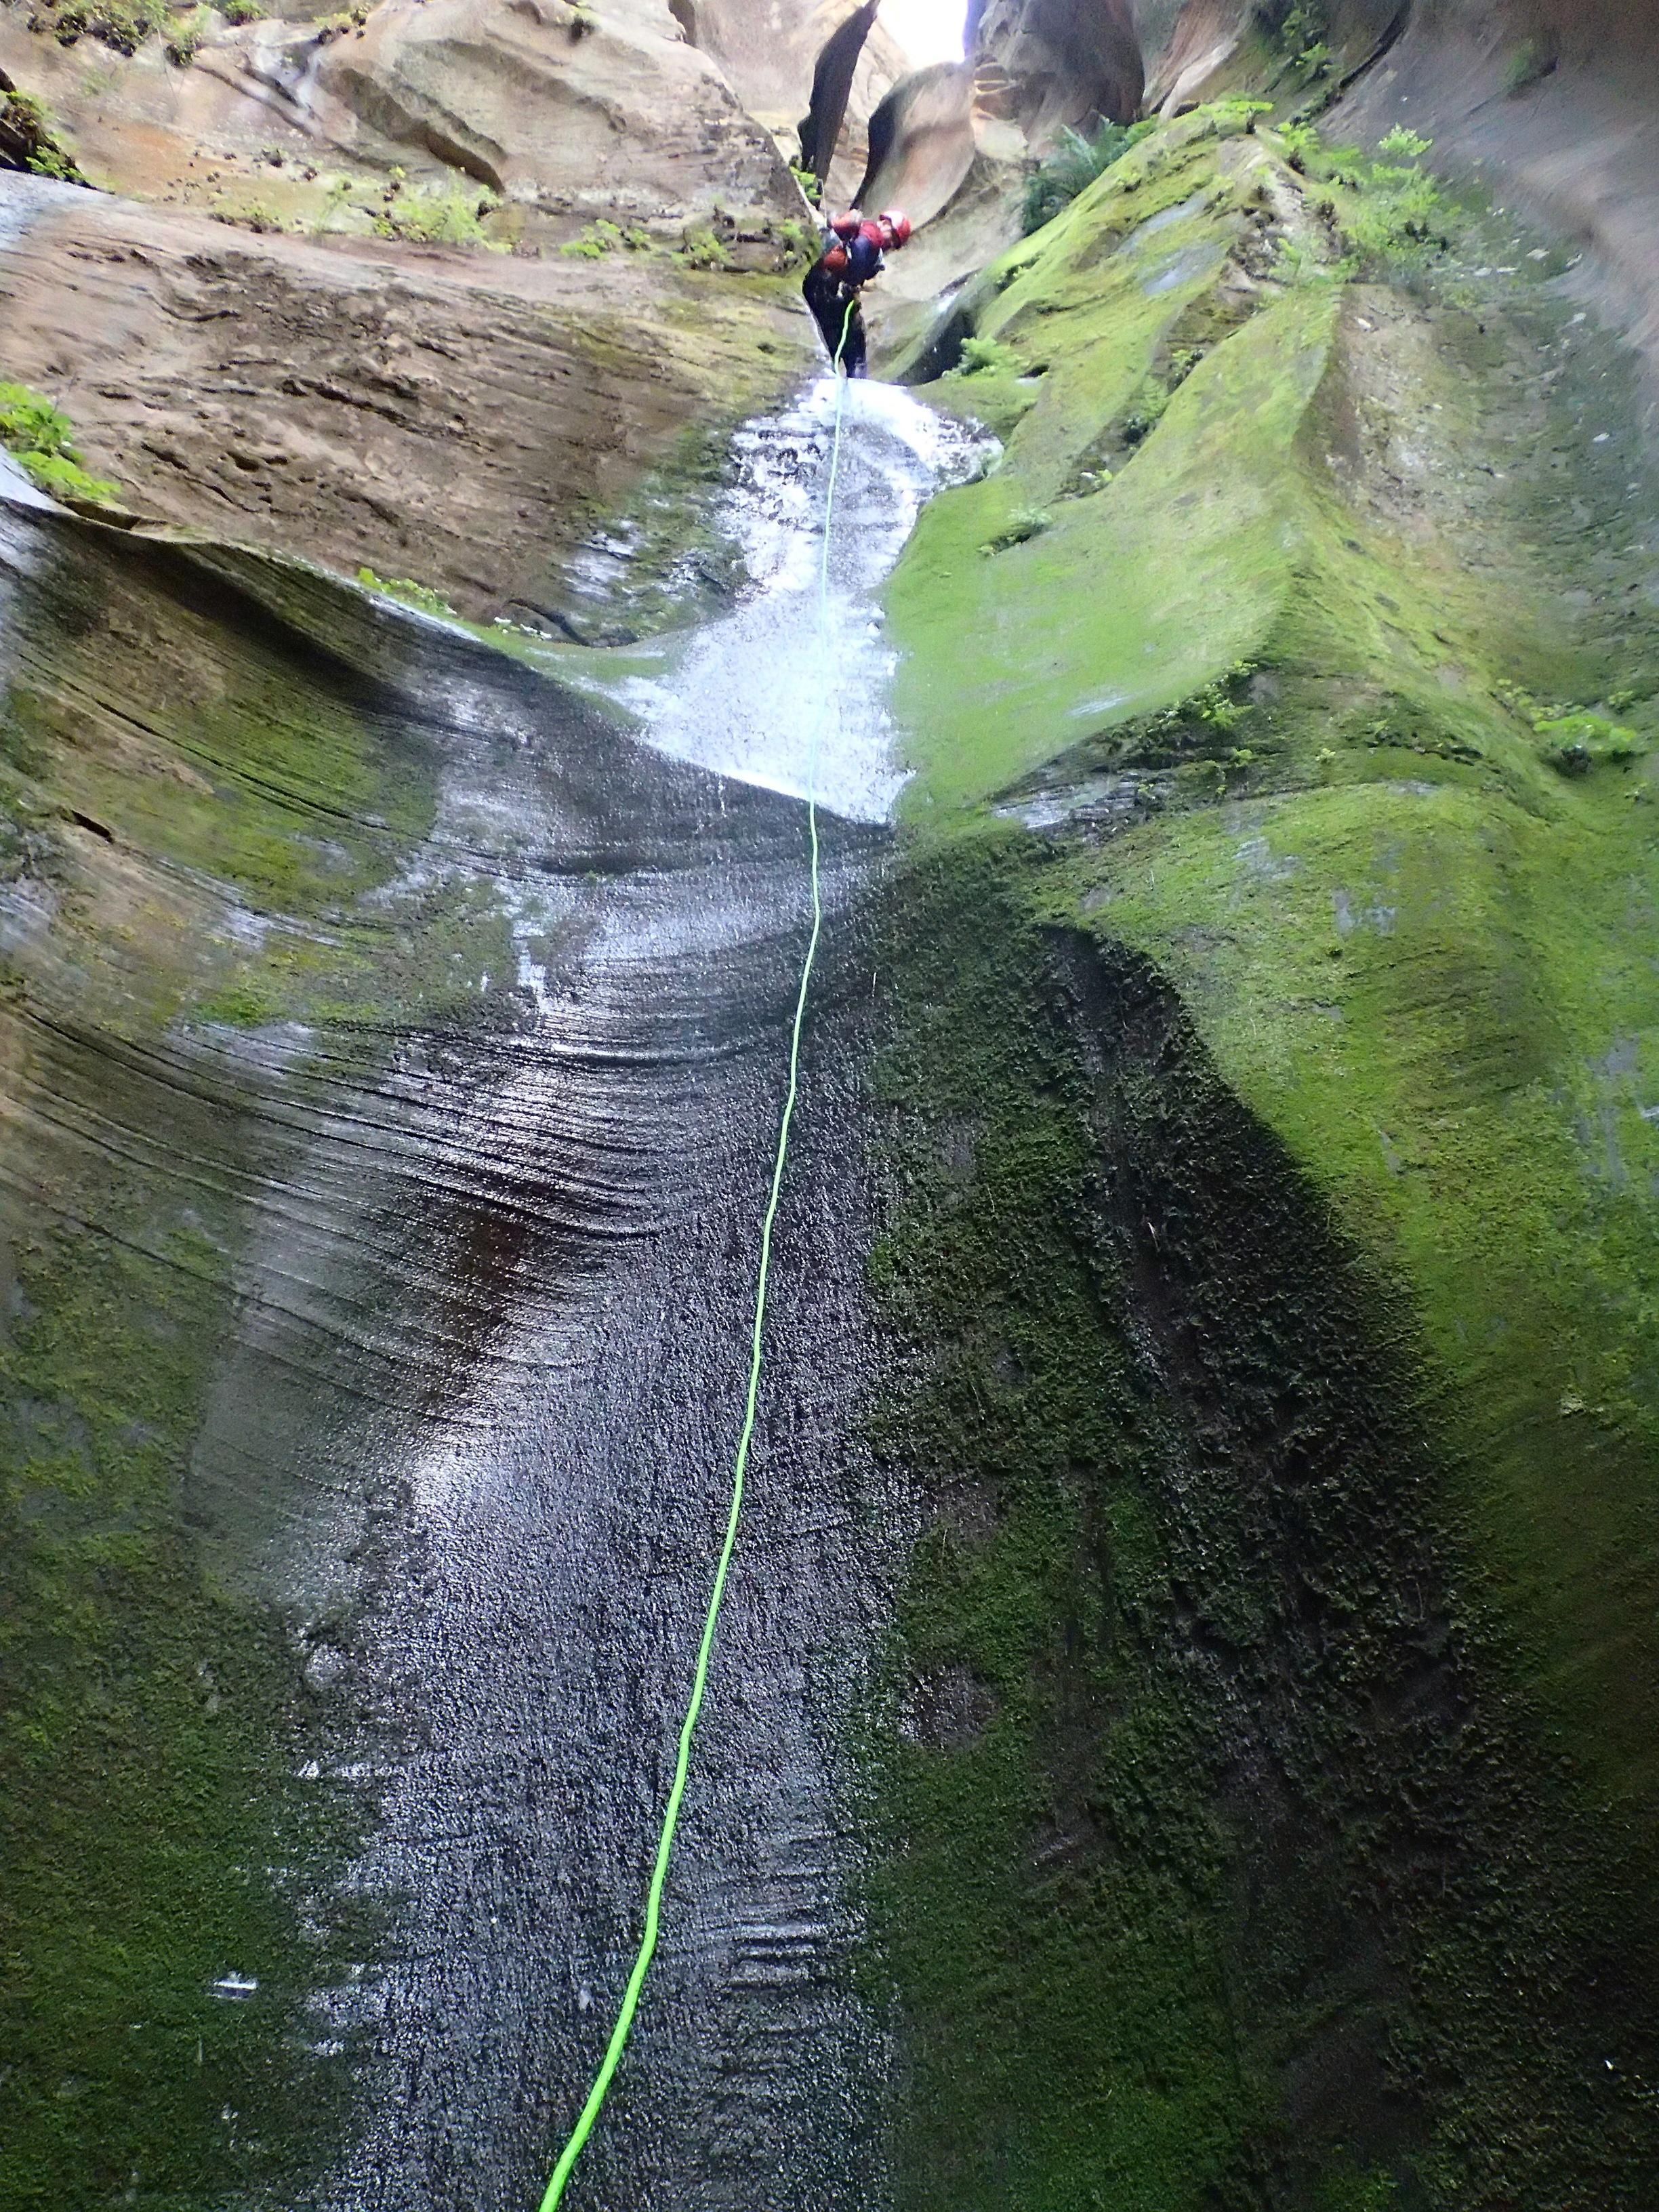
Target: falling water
x,y
783,692
504,1594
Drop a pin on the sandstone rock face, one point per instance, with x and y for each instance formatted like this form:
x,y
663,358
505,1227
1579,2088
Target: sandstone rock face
x,y
1046,62
921,143
1154,21
461,419
769,49
1558,101
598,112
1207,38
571,114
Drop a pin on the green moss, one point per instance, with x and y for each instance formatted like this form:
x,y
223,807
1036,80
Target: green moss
x,y
148,1729
412,593
1207,1768
1190,552
40,434
277,784
1287,1258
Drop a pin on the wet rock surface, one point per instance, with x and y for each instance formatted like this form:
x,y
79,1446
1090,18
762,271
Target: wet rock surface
x,y
1181,1731
436,1028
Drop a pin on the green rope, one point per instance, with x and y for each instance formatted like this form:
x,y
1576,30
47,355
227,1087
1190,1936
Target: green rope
x,y
630,2003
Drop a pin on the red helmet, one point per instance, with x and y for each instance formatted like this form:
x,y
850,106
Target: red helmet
x,y
896,220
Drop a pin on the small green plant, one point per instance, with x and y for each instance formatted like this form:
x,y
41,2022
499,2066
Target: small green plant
x,y
985,357
812,190
1530,65
1215,705
801,244
1575,743
1403,145
1146,411
336,200
40,436
1304,41
242,11
26,140
123,25
435,215
602,237
1078,158
186,34
1387,207
702,250
1302,144
1299,261
255,215
1024,522
411,593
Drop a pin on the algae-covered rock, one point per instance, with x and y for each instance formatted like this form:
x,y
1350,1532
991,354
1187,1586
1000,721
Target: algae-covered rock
x,y
1288,694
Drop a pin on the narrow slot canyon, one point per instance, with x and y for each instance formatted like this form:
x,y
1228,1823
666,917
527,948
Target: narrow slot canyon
x,y
982,1038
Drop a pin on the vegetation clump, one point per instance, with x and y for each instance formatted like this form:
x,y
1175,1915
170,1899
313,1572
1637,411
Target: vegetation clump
x,y
1304,42
1080,157
435,215
186,35
702,250
986,357
1025,522
1387,209
602,237
1574,744
122,25
26,137
1530,63
412,594
41,436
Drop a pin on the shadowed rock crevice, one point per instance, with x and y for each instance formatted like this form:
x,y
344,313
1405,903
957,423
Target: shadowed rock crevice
x,y
1249,1749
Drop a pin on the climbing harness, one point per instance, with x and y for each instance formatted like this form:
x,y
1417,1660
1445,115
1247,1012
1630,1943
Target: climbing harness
x,y
630,2003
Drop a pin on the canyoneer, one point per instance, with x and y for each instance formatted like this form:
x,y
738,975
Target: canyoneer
x,y
853,255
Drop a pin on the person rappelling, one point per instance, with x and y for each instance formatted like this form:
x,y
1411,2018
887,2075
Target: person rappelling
x,y
854,253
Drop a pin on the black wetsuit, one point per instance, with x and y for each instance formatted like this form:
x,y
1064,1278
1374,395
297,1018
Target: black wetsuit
x,y
833,296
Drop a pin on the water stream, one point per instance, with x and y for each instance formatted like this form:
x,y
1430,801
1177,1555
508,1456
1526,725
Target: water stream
x,y
746,695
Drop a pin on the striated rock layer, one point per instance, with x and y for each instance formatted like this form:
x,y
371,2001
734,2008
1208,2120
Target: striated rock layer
x,y
463,419
1053,61
601,112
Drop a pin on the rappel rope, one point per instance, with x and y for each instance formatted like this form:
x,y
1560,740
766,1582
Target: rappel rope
x,y
630,2003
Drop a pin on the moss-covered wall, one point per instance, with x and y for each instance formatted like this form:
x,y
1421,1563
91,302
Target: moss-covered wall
x,y
209,826
1278,1700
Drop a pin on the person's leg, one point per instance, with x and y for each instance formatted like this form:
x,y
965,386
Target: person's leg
x,y
822,293
853,344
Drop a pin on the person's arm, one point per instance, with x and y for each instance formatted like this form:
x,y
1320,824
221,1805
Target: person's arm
x,y
863,258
